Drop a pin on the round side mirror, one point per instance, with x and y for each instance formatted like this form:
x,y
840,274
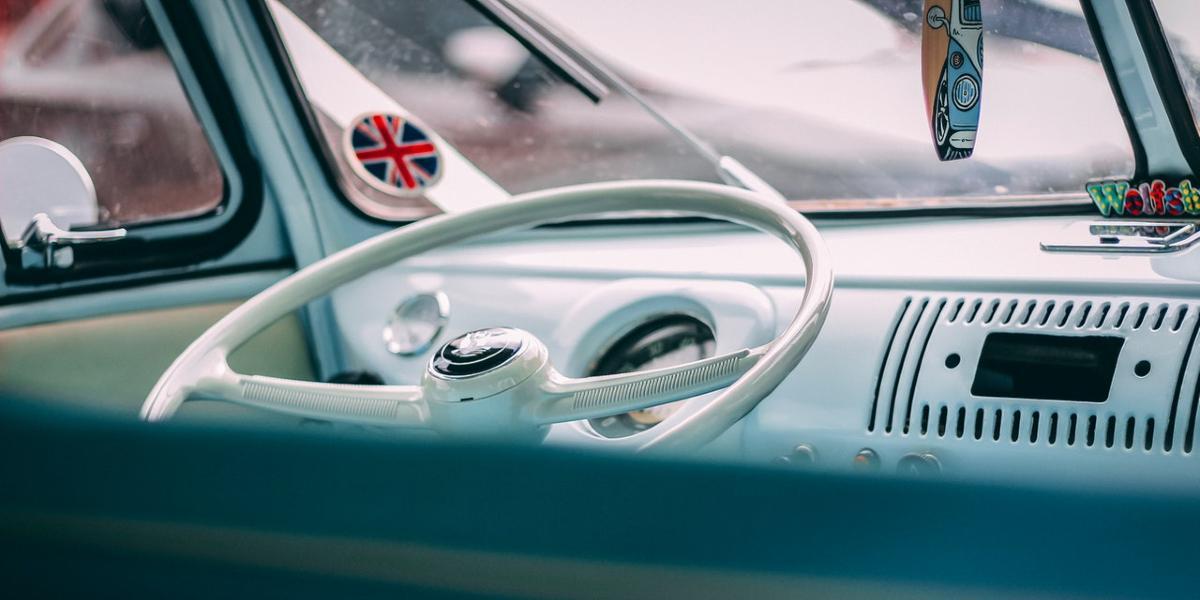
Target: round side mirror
x,y
936,17
41,176
485,54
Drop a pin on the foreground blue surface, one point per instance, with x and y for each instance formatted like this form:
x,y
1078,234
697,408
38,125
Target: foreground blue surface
x,y
117,509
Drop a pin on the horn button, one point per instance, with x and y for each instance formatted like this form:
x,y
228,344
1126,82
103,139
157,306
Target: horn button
x,y
482,363
477,352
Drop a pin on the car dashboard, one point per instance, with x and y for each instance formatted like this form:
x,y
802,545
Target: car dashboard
x,y
955,347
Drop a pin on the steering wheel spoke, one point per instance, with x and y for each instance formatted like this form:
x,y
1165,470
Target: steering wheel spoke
x,y
576,399
389,405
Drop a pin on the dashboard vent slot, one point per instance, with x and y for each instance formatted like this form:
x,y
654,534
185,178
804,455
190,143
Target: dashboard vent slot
x,y
893,349
896,380
1048,427
923,382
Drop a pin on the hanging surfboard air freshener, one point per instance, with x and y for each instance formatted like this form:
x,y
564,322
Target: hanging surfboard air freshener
x,y
951,71
393,154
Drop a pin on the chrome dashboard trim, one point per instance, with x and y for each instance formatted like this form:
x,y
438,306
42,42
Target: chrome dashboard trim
x,y
1183,235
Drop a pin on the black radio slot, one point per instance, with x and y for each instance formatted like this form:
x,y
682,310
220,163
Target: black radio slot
x,y
1047,367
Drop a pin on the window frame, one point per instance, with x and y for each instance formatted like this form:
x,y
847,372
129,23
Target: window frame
x,y
1166,76
173,243
339,186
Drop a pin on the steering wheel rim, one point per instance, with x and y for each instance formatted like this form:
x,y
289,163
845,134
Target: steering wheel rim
x,y
534,395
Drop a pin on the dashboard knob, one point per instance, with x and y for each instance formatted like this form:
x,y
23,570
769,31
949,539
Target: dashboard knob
x,y
801,455
919,464
866,460
804,454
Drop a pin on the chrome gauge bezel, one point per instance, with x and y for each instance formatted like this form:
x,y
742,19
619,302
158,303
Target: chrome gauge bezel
x,y
662,320
402,310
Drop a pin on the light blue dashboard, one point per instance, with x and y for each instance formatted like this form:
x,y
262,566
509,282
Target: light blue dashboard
x,y
910,292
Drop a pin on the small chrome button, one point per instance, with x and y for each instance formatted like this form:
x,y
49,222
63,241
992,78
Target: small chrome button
x,y
416,323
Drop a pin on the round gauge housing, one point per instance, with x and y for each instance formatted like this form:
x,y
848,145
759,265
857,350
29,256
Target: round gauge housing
x,y
416,323
662,342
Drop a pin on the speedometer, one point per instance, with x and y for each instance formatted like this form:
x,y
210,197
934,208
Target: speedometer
x,y
662,342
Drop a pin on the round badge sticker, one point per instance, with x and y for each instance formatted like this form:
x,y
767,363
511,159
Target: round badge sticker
x,y
393,154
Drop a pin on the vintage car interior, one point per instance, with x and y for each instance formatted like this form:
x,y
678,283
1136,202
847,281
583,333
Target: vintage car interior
x,y
599,299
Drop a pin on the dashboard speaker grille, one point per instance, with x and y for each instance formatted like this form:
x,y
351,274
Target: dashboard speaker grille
x,y
921,389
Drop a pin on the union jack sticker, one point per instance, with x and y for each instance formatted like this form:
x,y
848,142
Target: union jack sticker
x,y
393,154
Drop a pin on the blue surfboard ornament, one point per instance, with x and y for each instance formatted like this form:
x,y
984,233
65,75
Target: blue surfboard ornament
x,y
952,74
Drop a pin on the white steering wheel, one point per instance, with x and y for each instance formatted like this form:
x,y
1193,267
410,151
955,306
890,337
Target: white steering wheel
x,y
499,382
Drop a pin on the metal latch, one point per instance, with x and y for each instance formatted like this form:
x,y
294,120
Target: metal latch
x,y
1127,237
46,245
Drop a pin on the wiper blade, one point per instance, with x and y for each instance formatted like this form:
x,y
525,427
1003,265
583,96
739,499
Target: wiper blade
x,y
594,78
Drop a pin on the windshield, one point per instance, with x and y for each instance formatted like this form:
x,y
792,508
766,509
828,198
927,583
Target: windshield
x,y
821,99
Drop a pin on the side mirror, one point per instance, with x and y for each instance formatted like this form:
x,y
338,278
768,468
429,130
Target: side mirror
x,y
485,54
936,17
494,58
952,74
44,191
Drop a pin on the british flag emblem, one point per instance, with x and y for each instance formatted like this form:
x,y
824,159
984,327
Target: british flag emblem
x,y
394,154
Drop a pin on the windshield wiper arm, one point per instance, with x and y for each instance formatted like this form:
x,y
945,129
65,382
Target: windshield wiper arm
x,y
551,50
593,79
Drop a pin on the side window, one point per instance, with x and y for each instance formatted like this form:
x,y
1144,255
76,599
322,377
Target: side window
x,y
93,76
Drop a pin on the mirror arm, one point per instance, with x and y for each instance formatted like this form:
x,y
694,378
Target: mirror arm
x,y
43,236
